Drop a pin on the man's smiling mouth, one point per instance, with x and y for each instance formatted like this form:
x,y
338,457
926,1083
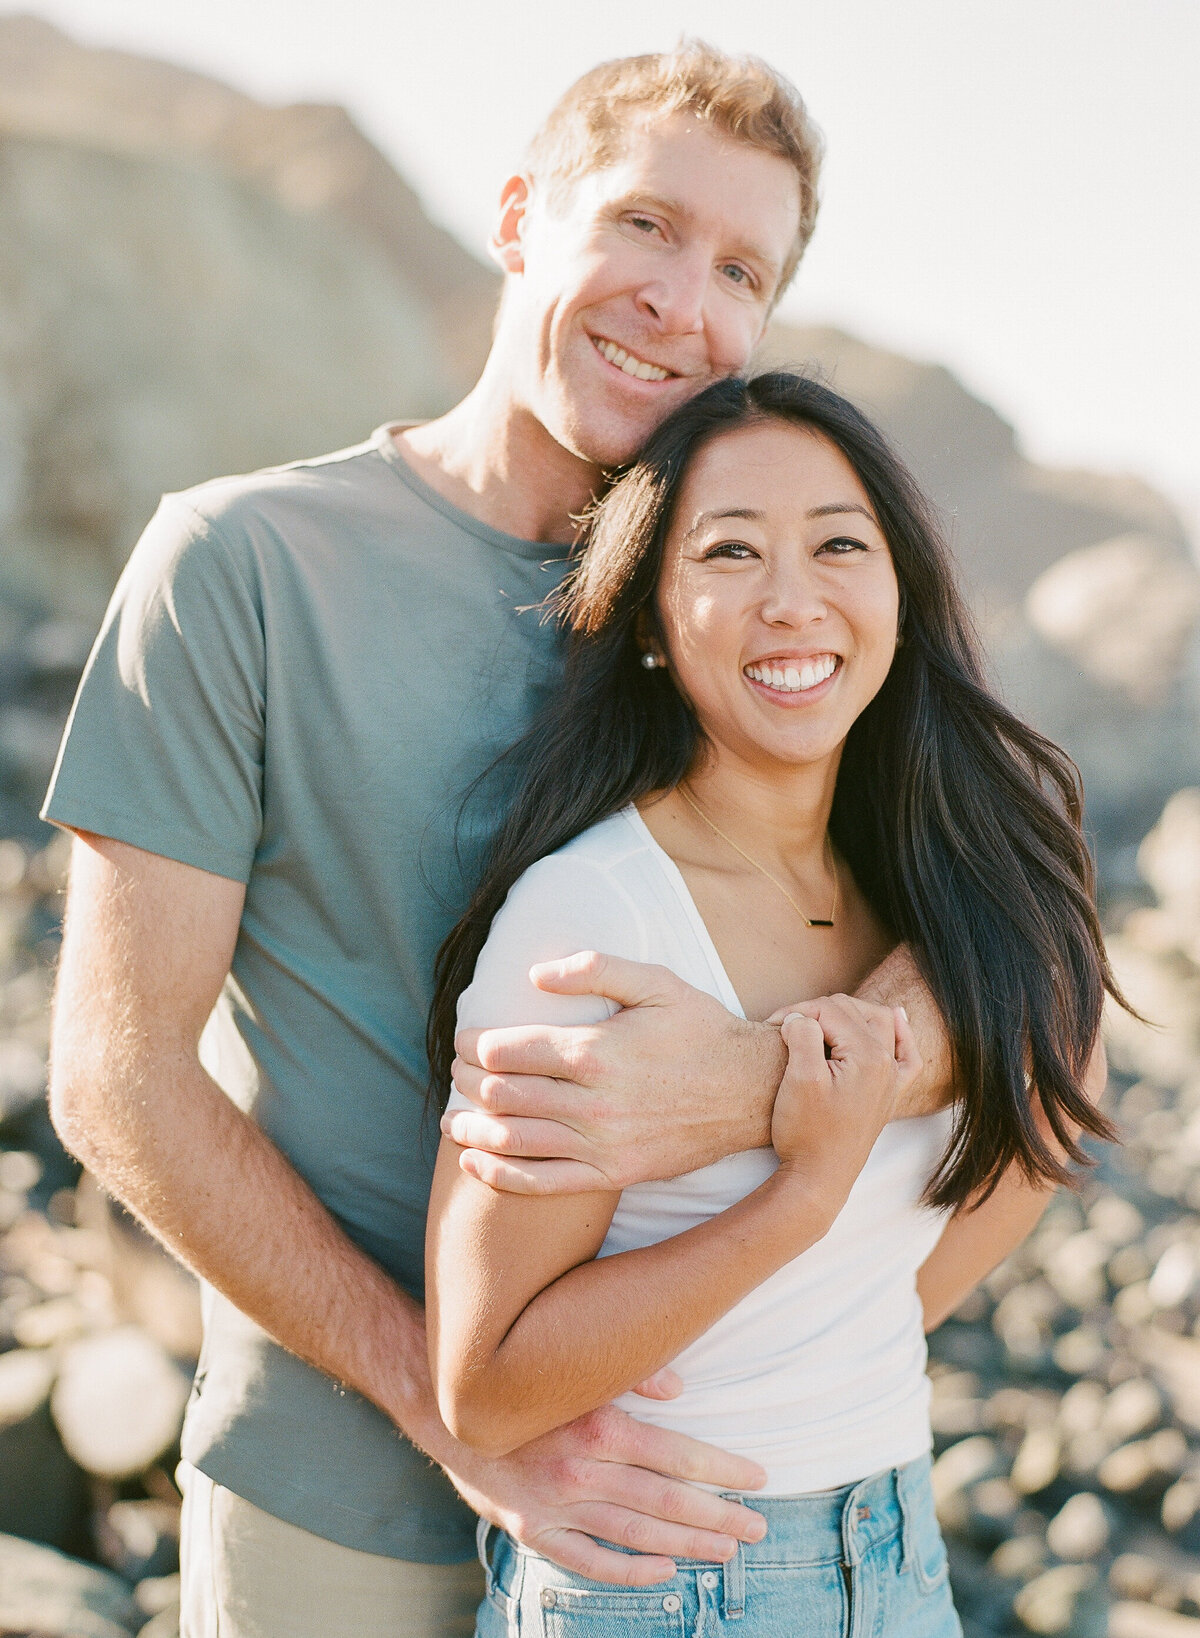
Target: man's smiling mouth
x,y
629,362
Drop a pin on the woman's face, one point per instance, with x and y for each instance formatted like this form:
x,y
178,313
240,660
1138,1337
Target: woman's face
x,y
777,600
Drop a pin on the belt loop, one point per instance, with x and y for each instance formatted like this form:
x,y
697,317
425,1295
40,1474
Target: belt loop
x,y
733,1589
483,1546
903,1476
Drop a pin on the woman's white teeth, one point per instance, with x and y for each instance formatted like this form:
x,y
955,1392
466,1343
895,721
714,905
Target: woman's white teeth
x,y
794,679
626,361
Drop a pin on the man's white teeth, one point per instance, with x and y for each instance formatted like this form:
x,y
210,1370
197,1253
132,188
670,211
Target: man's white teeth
x,y
626,361
791,679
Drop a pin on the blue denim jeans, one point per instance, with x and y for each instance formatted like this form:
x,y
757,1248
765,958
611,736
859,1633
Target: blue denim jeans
x,y
864,1562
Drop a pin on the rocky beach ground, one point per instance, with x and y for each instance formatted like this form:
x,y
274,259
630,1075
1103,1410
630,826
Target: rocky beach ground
x,y
1066,1392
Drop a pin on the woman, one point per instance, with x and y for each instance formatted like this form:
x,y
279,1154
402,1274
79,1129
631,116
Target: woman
x,y
773,758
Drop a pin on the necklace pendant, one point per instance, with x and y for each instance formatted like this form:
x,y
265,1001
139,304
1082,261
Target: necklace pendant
x,y
814,922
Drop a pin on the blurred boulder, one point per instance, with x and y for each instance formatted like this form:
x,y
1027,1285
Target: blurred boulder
x,y
1065,1601
140,1539
46,1595
43,1493
118,1402
1081,1528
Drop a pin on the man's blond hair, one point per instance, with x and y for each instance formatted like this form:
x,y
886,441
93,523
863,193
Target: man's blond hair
x,y
743,97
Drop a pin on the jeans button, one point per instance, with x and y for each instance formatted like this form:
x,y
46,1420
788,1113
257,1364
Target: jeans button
x,y
549,1598
672,1603
709,1579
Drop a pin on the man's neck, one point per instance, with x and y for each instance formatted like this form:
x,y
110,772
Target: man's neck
x,y
496,462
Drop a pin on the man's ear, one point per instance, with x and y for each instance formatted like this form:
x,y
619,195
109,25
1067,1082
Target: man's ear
x,y
505,246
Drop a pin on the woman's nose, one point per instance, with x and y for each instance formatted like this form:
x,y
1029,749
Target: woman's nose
x,y
792,598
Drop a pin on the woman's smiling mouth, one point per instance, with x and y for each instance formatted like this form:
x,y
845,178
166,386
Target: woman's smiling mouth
x,y
792,676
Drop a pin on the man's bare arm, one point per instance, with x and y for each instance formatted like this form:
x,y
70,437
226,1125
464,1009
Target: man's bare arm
x,y
896,982
671,1083
146,947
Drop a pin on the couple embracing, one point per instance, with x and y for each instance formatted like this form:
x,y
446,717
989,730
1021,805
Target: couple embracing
x,y
745,940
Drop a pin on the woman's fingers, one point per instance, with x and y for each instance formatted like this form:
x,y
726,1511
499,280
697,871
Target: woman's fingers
x,y
664,1384
805,1040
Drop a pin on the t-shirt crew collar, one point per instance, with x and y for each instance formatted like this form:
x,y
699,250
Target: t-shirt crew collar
x,y
384,440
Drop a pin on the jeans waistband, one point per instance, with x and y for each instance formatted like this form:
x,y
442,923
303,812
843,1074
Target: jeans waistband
x,y
838,1526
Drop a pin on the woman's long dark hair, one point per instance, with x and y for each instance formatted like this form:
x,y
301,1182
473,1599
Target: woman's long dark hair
x,y
961,824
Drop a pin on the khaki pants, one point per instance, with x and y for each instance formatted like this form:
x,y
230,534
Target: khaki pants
x,y
249,1575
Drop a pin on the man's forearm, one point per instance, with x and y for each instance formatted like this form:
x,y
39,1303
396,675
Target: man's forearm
x,y
896,982
223,1199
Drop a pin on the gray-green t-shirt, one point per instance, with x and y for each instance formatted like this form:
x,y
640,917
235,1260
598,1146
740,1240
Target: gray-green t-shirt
x,y
300,674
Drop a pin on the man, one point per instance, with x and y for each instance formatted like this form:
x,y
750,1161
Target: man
x,y
301,673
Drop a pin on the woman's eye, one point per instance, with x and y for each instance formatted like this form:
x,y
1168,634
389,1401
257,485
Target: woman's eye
x,y
735,549
842,546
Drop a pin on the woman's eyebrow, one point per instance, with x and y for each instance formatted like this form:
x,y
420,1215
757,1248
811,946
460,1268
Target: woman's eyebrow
x,y
832,509
750,513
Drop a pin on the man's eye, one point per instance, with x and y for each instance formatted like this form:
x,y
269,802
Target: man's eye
x,y
737,274
644,224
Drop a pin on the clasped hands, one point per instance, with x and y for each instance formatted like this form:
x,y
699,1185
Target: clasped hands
x,y
672,1082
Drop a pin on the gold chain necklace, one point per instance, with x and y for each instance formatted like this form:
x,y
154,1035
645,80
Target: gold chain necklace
x,y
809,921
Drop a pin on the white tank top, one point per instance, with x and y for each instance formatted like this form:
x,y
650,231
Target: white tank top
x,y
819,1373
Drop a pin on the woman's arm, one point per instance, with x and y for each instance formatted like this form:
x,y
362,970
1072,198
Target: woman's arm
x,y
978,1239
528,1331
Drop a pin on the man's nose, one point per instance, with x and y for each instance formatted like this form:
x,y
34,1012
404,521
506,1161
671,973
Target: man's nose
x,y
675,299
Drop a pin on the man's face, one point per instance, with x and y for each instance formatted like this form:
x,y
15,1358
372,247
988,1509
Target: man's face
x,y
651,280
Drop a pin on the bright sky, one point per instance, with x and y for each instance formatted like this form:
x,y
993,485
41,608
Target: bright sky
x,y
1012,187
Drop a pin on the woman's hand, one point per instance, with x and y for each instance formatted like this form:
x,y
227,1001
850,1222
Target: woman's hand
x,y
848,1062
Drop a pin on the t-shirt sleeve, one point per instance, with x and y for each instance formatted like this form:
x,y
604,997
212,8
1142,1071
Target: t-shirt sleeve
x,y
561,905
164,745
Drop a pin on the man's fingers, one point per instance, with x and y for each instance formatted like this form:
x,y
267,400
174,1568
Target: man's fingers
x,y
572,1550
679,1456
523,1049
533,1177
538,1095
658,1497
653,1535
518,1139
629,983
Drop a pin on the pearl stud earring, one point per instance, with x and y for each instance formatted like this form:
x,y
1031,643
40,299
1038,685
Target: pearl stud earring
x,y
649,660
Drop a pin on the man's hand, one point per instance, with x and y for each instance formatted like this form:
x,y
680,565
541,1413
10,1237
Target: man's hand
x,y
672,1082
609,1476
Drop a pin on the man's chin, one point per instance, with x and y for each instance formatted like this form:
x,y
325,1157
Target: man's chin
x,y
614,445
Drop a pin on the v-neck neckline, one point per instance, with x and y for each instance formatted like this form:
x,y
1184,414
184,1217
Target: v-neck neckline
x,y
729,996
